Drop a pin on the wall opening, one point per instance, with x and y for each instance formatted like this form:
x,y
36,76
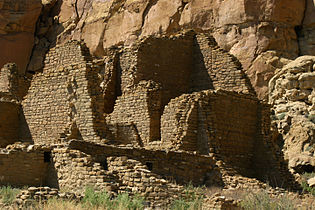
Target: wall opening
x,y
104,164
47,157
149,165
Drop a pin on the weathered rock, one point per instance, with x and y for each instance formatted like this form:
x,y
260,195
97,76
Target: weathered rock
x,y
292,92
307,31
311,182
17,26
256,32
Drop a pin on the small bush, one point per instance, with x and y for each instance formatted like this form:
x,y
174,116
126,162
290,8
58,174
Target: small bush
x,y
124,202
96,199
8,194
192,200
304,184
102,200
307,188
263,201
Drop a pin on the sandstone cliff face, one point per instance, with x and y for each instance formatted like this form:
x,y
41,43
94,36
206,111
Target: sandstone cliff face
x,y
261,34
17,25
292,92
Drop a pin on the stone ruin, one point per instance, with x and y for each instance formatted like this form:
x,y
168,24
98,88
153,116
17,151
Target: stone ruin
x,y
146,119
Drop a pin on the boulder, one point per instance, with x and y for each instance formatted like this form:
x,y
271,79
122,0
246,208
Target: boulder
x,y
292,94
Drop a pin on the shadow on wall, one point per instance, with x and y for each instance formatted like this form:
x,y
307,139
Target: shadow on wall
x,y
51,174
24,130
200,78
268,163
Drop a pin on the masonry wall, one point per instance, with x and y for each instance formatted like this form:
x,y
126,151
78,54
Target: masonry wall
x,y
179,124
9,122
213,121
64,101
268,162
22,167
214,65
77,170
164,60
140,106
180,166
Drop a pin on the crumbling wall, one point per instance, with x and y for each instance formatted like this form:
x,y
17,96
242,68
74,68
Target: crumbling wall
x,y
139,106
64,101
167,61
268,161
223,69
182,167
213,121
26,166
179,123
9,122
9,79
76,171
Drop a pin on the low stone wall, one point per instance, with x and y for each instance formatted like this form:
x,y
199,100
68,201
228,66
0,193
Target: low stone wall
x,y
24,165
9,78
182,167
108,169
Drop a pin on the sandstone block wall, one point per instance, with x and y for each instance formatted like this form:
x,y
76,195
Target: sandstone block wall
x,y
64,100
213,122
182,63
180,166
9,122
139,106
224,70
108,168
24,166
76,170
9,79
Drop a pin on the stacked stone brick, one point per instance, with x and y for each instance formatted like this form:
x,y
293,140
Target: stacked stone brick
x,y
9,105
140,106
62,101
23,164
146,120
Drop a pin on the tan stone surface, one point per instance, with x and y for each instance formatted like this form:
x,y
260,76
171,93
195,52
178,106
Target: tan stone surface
x,y
247,29
292,96
311,182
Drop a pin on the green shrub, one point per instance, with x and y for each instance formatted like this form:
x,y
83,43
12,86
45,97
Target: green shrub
x,y
102,200
124,201
8,194
192,199
263,201
96,199
305,186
